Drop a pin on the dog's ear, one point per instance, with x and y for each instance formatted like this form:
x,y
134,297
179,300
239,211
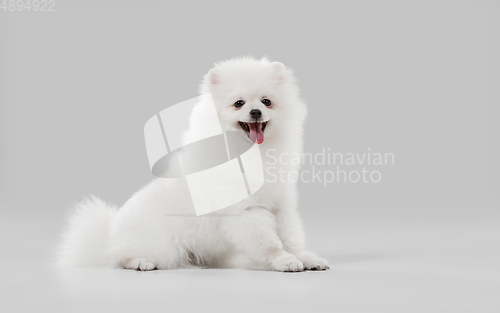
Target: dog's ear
x,y
213,77
280,71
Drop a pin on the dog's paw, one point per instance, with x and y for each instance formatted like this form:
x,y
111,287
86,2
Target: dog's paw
x,y
312,262
287,263
140,264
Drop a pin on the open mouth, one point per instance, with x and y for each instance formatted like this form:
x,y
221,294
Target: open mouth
x,y
255,131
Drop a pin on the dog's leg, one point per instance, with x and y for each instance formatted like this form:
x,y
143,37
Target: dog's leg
x,y
139,264
291,232
255,234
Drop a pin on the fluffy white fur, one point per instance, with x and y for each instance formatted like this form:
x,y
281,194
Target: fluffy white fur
x,y
146,234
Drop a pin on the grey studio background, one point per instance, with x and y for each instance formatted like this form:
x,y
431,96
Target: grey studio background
x,y
418,79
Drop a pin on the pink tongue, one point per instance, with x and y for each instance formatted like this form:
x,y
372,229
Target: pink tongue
x,y
256,134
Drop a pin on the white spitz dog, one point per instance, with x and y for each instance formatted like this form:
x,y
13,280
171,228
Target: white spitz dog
x,y
258,98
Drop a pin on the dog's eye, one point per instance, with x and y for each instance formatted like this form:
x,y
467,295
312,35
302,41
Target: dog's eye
x,y
266,102
239,103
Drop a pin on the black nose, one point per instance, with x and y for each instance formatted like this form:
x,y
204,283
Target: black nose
x,y
255,113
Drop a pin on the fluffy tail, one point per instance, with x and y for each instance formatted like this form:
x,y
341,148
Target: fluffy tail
x,y
85,239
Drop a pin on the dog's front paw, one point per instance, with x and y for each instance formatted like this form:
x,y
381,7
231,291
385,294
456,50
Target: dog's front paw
x,y
312,262
140,264
287,263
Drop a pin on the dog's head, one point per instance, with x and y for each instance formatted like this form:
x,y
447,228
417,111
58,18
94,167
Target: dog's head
x,y
257,97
